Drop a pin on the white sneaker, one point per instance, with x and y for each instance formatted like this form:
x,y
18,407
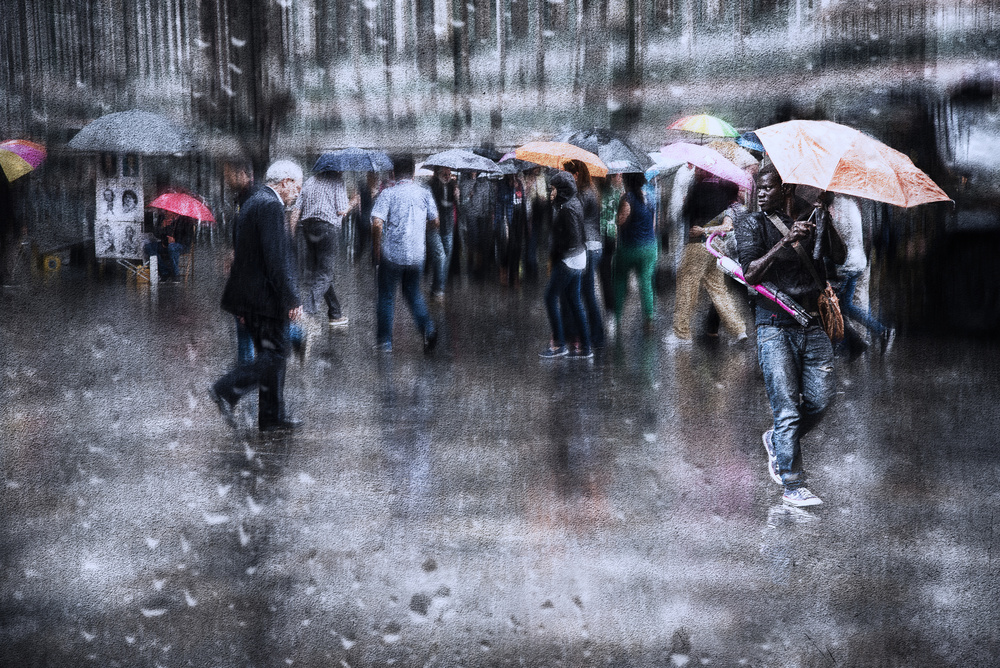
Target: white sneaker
x,y
800,497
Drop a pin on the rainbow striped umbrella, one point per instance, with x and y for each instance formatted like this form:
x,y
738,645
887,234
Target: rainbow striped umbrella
x,y
705,125
20,156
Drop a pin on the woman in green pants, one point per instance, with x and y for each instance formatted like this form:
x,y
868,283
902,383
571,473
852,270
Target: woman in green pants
x,y
637,248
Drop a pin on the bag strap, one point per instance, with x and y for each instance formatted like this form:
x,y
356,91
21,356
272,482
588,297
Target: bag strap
x,y
806,260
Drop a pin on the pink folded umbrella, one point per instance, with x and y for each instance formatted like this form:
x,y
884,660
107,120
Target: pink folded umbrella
x,y
708,159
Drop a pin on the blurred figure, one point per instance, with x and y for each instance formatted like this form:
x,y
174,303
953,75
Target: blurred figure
x,y
367,193
262,291
440,241
845,216
510,219
400,219
173,237
569,259
321,209
611,194
707,201
477,211
540,210
587,193
637,248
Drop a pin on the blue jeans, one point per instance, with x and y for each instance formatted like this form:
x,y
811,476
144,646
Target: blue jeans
x,y
565,282
244,341
798,374
845,293
391,275
588,291
439,253
168,257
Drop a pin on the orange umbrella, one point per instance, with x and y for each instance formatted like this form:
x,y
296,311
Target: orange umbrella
x,y
555,153
834,157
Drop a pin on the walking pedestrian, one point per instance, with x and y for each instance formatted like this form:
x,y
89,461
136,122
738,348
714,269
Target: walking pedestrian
x,y
637,249
845,215
587,193
707,201
400,218
568,259
797,360
262,291
321,208
611,194
440,240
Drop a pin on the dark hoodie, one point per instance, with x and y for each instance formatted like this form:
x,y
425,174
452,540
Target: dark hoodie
x,y
567,226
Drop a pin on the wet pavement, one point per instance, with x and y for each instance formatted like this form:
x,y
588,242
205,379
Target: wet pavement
x,y
478,506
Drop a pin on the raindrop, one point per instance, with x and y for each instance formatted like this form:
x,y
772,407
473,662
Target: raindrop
x,y
191,601
244,538
154,612
254,507
153,543
212,519
223,489
88,636
305,478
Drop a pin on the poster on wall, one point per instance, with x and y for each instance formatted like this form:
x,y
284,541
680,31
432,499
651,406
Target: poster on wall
x,y
119,214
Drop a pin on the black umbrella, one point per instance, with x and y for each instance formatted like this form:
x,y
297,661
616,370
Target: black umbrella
x,y
619,156
132,131
353,160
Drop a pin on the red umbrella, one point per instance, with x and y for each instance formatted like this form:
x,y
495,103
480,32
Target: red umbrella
x,y
182,204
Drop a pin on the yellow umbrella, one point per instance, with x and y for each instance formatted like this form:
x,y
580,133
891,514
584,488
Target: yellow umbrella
x,y
555,153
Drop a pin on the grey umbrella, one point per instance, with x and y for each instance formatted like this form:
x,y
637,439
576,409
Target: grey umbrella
x,y
132,131
613,150
461,160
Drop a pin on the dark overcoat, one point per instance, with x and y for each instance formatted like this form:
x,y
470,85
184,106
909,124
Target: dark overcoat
x,y
262,281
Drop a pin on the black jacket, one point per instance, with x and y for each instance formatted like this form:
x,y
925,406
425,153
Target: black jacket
x,y
262,280
567,224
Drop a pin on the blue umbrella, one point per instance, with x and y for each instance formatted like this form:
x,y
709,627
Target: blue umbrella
x,y
353,160
749,140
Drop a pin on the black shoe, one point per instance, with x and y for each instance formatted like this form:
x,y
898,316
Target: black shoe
x,y
430,340
225,407
288,424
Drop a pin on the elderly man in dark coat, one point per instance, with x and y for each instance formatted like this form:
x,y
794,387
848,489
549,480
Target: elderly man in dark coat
x,y
263,293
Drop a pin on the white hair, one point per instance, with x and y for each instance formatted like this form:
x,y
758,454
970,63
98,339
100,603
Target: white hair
x,y
281,170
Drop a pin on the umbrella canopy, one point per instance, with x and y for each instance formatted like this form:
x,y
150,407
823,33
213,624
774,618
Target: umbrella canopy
x,y
733,153
708,159
554,154
132,131
353,160
616,153
705,125
749,141
183,204
461,160
834,157
511,165
19,157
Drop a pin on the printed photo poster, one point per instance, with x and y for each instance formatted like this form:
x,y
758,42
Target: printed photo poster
x,y
119,216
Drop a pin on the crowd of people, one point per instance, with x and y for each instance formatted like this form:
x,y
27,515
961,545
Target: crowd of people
x,y
597,233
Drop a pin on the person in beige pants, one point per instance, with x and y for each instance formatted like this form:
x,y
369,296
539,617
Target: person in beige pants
x,y
706,205
698,268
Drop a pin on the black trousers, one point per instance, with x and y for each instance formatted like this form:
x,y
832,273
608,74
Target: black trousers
x,y
266,372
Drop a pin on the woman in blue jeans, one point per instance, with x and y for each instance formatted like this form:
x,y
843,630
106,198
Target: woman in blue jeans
x,y
569,259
